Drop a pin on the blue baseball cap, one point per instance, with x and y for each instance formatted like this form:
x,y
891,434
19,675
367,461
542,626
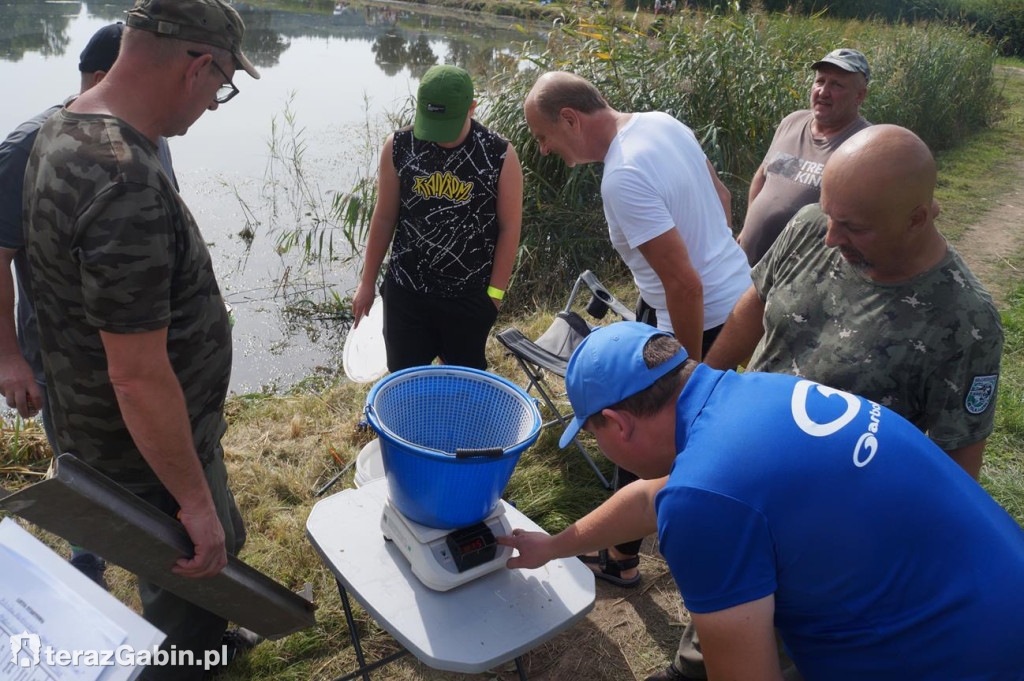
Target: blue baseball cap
x,y
607,367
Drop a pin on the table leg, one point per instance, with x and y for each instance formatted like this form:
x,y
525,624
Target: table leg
x,y
353,634
364,669
520,669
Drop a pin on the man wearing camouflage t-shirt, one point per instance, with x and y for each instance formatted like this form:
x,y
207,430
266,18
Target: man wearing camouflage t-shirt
x,y
863,293
135,337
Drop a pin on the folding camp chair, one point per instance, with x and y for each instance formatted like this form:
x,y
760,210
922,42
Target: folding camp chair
x,y
552,350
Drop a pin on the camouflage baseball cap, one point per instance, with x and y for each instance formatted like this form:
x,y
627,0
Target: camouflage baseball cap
x,y
211,22
847,59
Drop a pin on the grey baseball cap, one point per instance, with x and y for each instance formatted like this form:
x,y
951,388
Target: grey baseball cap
x,y
846,59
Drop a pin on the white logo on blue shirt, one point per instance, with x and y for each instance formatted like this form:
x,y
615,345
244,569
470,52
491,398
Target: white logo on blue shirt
x,y
800,394
867,445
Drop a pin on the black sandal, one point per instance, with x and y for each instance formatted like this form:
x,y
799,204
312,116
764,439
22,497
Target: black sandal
x,y
610,570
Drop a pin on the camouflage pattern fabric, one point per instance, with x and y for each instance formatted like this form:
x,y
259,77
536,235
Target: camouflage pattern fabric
x,y
113,247
448,214
929,348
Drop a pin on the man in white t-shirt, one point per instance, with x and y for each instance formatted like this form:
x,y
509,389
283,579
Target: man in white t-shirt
x,y
667,218
663,201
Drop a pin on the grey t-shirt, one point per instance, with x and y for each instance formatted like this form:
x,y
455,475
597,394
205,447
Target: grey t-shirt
x,y
792,168
928,348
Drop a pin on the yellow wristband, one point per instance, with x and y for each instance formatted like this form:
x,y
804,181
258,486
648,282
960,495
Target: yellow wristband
x,y
495,293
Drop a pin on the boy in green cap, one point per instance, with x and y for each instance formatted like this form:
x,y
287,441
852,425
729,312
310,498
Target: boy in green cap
x,y
450,195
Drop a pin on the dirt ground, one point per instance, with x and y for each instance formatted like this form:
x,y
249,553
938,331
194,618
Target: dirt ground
x,y
990,246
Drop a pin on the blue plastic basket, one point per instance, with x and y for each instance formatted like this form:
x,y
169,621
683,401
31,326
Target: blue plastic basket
x,y
450,438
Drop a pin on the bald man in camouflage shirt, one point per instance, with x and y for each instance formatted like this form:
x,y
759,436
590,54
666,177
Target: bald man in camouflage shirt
x,y
135,336
861,292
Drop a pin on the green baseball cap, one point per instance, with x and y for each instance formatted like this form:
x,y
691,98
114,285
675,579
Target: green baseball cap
x,y
442,103
211,22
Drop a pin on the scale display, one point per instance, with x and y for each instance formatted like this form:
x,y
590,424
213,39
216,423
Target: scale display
x,y
472,546
442,559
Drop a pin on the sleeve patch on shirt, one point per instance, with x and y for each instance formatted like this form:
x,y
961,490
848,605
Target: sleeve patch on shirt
x,y
983,389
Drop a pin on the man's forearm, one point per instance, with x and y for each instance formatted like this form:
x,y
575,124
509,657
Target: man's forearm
x,y
152,405
685,302
969,457
684,292
626,515
741,334
17,379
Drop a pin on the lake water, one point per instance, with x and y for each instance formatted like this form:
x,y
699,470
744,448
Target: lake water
x,y
338,73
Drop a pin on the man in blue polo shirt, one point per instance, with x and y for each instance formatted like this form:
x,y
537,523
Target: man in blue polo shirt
x,y
797,506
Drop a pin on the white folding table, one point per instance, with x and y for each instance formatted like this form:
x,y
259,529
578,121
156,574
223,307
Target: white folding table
x,y
470,629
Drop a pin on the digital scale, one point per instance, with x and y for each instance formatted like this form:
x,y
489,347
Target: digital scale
x,y
444,558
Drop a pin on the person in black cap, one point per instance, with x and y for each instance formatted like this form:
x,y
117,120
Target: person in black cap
x,y
789,178
135,335
21,369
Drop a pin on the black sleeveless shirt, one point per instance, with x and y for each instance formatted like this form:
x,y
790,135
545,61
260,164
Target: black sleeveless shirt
x,y
447,221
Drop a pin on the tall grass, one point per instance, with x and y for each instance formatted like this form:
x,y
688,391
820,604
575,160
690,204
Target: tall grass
x,y
730,77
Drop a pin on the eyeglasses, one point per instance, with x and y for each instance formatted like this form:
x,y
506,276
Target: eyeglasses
x,y
226,91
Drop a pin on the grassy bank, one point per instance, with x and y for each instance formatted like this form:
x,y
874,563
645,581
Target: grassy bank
x,y
971,174
1000,20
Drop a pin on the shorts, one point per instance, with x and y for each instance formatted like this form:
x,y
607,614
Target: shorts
x,y
648,315
419,327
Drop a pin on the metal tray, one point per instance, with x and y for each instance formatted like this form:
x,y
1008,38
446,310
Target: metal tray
x,y
90,510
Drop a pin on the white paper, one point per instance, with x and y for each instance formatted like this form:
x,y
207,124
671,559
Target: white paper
x,y
46,602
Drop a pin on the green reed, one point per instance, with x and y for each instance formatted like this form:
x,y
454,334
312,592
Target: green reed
x,y
731,78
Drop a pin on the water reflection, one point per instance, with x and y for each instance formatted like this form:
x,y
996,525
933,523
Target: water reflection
x,y
33,26
394,53
400,38
343,70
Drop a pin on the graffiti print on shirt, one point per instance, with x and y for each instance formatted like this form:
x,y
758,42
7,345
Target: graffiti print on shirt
x,y
442,186
796,169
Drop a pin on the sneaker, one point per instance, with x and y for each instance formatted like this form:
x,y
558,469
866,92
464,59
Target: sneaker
x,y
239,640
670,673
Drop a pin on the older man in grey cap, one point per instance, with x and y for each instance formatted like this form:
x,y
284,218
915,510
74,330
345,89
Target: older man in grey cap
x,y
135,336
789,178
